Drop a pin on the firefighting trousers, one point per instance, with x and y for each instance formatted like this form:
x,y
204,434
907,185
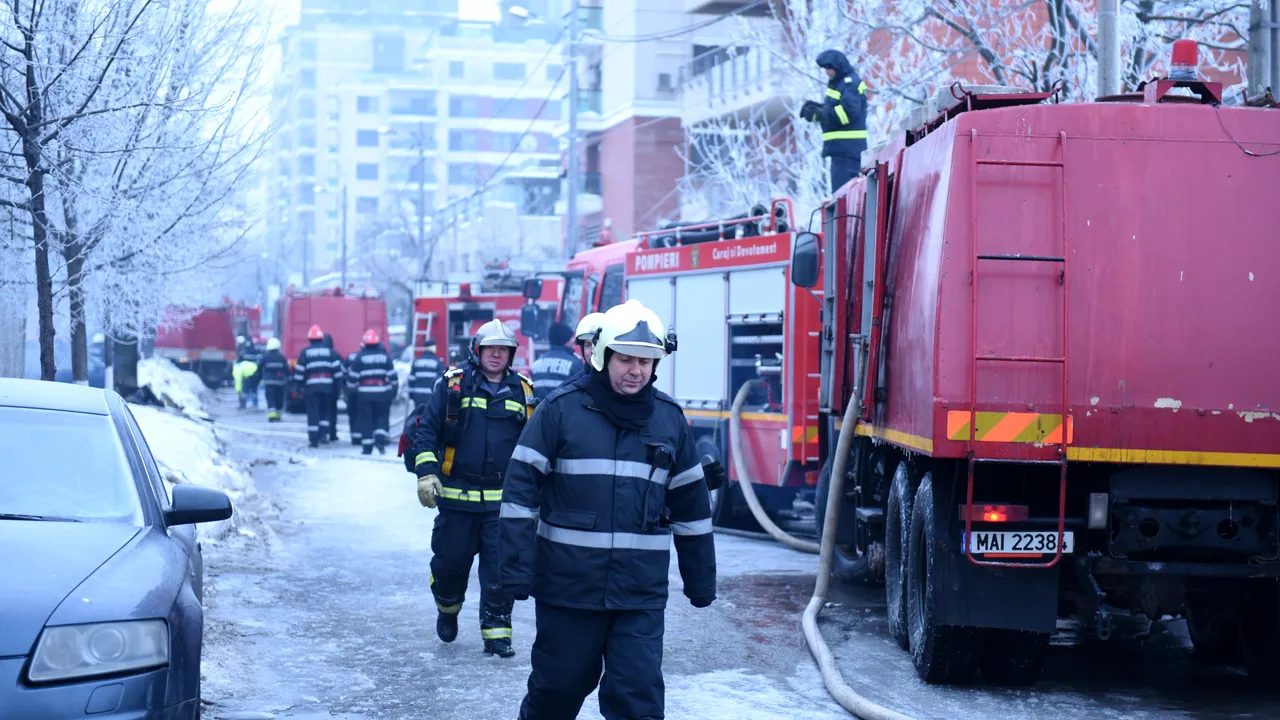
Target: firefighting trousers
x,y
457,538
353,423
333,416
571,649
372,418
318,403
844,169
275,400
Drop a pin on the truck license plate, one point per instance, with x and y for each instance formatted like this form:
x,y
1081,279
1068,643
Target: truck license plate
x,y
1020,543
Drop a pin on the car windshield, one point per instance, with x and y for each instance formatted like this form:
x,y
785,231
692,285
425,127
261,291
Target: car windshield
x,y
571,304
65,465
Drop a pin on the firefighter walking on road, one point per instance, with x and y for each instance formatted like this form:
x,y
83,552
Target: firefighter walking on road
x,y
606,473
842,115
423,374
333,397
319,369
558,365
373,376
461,443
275,377
351,395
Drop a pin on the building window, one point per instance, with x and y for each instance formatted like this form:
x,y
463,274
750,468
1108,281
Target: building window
x,y
366,104
457,69
464,106
508,71
307,136
307,79
505,142
413,103
366,138
307,108
306,193
366,205
553,72
388,52
462,139
366,171
462,174
307,165
307,49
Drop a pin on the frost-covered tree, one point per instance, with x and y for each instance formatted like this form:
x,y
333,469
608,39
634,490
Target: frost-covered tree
x,y
907,50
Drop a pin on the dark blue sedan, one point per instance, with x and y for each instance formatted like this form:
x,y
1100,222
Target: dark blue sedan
x,y
100,570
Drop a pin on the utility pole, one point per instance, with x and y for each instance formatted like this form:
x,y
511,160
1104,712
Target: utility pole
x,y
1261,47
422,200
572,172
306,252
344,237
1108,48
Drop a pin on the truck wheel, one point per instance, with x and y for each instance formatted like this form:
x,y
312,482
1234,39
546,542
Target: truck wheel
x,y
847,564
1259,636
1212,629
897,523
1014,657
942,654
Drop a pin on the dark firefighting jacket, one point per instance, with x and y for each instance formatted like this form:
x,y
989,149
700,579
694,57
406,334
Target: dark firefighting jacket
x,y
371,374
319,367
466,434
843,115
590,510
275,369
423,374
554,368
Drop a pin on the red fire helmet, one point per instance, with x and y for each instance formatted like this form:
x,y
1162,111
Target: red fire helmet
x,y
371,337
315,333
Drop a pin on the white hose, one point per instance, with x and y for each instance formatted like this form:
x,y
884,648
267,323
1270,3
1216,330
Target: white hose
x,y
744,477
848,698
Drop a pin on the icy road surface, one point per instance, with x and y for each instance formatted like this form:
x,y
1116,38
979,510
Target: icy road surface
x,y
320,609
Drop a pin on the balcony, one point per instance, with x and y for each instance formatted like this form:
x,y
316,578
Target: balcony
x,y
590,103
737,86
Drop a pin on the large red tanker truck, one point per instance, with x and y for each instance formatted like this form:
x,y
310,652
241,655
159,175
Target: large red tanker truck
x,y
1055,329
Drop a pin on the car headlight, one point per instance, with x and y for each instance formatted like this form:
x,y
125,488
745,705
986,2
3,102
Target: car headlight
x,y
76,651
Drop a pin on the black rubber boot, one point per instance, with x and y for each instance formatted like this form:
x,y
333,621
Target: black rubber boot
x,y
500,647
447,626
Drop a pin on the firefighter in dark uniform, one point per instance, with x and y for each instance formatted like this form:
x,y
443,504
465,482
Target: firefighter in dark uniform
x,y
423,374
842,115
353,402
461,443
558,365
275,376
373,375
333,397
319,369
605,478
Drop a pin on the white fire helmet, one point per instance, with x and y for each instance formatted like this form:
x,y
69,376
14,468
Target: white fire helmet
x,y
629,329
495,333
273,344
588,326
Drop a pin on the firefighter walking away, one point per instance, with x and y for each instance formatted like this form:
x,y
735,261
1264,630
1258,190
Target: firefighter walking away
x,y
275,377
372,377
842,115
423,374
558,365
460,444
319,369
605,477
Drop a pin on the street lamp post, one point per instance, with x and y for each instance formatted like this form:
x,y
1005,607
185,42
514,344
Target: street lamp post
x,y
420,142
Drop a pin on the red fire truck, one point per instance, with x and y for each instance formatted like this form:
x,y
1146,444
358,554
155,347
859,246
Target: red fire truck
x,y
1054,327
452,317
205,343
247,320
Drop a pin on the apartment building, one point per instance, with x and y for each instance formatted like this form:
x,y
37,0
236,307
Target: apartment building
x,y
389,111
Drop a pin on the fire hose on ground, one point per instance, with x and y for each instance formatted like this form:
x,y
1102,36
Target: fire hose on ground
x,y
846,696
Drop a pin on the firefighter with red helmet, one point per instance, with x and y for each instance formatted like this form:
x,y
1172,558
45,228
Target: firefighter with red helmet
x,y
460,443
372,376
319,370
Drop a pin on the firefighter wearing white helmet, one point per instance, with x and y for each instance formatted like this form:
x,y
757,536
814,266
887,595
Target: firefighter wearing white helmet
x,y
605,475
275,376
460,443
586,334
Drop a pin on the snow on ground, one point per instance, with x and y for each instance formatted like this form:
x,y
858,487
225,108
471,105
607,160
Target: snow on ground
x,y
188,452
174,387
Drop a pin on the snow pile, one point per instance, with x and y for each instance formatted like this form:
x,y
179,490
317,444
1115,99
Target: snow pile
x,y
172,386
189,453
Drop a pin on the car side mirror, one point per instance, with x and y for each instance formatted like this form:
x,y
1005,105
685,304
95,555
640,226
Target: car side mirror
x,y
192,504
804,260
533,288
531,321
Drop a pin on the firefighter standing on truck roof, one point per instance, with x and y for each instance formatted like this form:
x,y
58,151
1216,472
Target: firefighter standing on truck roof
x,y
605,474
423,374
353,403
275,376
842,115
373,376
461,443
558,365
319,369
